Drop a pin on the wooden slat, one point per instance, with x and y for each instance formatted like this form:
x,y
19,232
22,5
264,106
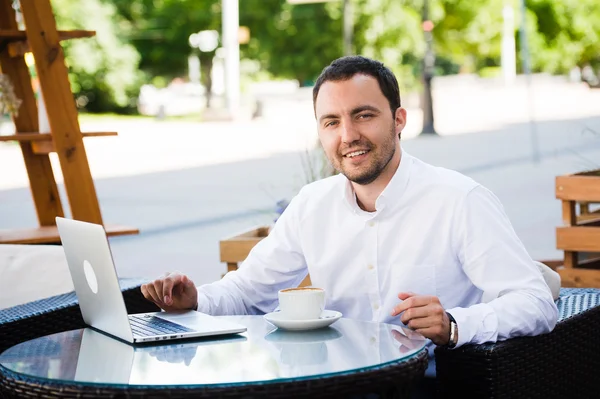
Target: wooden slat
x,y
49,234
591,221
12,35
39,169
578,188
579,278
61,110
47,147
233,251
569,215
579,238
569,219
48,137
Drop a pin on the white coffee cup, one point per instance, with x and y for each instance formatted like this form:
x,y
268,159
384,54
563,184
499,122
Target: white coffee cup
x,y
302,303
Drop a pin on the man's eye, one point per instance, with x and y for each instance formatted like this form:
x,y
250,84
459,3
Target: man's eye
x,y
330,123
365,116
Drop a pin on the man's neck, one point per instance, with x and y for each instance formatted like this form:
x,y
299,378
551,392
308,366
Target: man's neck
x,y
366,196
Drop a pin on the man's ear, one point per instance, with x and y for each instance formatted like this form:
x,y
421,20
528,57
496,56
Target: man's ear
x,y
400,120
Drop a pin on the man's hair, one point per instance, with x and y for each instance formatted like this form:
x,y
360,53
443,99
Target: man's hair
x,y
345,68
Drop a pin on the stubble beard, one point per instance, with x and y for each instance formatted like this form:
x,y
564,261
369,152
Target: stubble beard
x,y
380,158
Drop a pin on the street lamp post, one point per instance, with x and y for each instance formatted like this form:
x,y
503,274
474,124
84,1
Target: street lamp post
x,y
231,26
428,69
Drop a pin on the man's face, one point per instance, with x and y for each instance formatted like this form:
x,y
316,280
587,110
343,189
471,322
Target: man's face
x,y
356,127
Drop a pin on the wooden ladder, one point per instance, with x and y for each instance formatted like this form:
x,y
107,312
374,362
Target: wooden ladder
x,y
42,39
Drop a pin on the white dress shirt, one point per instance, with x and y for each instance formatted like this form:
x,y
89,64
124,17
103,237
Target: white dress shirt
x,y
434,232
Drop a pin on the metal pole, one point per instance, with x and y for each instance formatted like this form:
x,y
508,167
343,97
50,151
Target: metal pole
x,y
527,70
231,24
348,27
428,65
508,57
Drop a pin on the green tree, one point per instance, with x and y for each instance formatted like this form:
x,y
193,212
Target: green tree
x,y
160,30
563,34
297,41
103,69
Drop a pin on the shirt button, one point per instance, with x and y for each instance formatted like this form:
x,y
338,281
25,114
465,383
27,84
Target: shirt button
x,y
371,224
370,267
375,306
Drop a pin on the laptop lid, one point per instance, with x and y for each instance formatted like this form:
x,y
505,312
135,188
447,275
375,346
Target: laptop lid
x,y
94,277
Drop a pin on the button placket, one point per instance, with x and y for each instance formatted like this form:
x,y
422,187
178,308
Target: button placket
x,y
371,268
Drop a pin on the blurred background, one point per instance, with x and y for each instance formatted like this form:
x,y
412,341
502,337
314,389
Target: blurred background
x,y
212,101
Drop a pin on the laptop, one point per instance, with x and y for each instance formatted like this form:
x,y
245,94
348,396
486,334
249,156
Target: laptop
x,y
101,301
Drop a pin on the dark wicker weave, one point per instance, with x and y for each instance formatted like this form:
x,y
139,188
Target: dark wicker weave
x,y
59,313
391,381
561,364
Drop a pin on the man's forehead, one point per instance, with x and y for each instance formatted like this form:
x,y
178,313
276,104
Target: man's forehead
x,y
345,95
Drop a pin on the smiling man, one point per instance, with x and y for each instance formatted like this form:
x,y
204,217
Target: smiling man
x,y
391,238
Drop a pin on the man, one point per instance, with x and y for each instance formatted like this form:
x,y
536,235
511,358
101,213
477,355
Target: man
x,y
391,238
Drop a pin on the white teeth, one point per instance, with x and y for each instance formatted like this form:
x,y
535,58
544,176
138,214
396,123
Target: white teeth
x,y
355,153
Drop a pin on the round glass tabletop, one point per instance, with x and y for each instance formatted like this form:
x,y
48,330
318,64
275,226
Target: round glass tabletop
x,y
261,354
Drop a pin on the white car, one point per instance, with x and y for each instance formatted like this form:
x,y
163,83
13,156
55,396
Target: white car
x,y
175,100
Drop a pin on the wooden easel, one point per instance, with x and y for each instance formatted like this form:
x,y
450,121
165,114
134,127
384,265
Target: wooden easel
x,y
66,139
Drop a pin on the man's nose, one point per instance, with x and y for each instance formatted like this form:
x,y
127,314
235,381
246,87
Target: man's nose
x,y
349,133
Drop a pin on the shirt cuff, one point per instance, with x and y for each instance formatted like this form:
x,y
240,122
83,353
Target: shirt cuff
x,y
203,304
476,324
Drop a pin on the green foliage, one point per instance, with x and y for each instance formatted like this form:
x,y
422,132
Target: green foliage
x,y
292,41
160,30
563,34
296,41
103,69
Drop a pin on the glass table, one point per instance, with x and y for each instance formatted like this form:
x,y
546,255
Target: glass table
x,y
348,358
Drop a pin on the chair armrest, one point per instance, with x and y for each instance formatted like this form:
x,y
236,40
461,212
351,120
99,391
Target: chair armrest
x,y
562,363
59,313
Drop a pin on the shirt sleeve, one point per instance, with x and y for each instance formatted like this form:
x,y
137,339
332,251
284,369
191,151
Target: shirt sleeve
x,y
497,263
275,263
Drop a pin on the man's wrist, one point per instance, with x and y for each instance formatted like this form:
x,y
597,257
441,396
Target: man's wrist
x,y
453,333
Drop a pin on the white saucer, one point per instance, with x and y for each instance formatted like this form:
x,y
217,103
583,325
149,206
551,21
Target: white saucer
x,y
327,318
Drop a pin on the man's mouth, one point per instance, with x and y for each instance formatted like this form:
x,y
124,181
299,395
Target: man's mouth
x,y
356,153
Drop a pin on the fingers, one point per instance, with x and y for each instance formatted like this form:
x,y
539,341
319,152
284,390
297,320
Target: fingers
x,y
150,293
423,323
172,280
412,301
405,295
414,313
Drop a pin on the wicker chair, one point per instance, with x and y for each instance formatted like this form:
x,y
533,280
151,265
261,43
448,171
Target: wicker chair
x,y
59,313
561,364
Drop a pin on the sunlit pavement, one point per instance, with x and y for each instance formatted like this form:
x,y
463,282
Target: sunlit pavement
x,y
186,184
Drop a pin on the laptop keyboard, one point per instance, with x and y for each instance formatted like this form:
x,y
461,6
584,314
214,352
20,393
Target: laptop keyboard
x,y
148,325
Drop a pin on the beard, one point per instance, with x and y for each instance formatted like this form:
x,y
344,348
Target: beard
x,y
378,159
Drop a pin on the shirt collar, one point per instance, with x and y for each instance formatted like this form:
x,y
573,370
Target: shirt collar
x,y
392,192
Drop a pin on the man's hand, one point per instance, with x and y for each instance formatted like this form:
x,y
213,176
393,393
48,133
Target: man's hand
x,y
425,315
173,291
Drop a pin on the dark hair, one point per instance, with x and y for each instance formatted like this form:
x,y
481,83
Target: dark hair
x,y
346,67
